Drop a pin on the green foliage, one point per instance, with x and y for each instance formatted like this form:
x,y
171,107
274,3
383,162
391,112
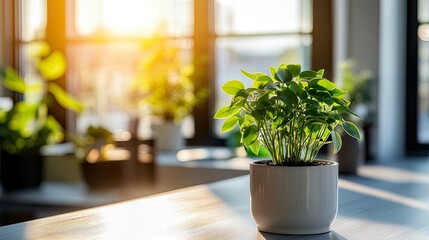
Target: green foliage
x,y
359,86
95,137
165,82
28,124
291,113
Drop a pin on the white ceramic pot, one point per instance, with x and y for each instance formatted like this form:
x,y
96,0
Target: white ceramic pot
x,y
168,136
294,199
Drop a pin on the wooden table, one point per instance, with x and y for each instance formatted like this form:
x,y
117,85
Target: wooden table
x,y
382,202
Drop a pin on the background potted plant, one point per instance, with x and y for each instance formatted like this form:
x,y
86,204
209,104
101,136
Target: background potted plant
x,y
292,114
27,126
92,149
164,87
360,89
107,163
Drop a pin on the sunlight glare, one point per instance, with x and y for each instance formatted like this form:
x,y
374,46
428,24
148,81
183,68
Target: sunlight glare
x,y
169,216
423,32
130,16
86,16
394,175
33,19
126,17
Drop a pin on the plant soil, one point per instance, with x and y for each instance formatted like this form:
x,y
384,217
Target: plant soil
x,y
299,164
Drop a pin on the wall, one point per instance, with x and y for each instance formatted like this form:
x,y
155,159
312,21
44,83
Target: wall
x,y
373,33
356,37
364,34
391,97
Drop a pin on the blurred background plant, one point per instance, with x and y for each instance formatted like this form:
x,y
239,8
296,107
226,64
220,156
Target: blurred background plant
x,y
27,124
164,85
94,144
360,89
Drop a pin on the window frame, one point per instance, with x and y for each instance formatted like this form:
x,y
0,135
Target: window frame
x,y
413,147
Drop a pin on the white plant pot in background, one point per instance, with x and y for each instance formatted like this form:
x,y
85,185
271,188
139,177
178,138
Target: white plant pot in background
x,y
168,136
294,199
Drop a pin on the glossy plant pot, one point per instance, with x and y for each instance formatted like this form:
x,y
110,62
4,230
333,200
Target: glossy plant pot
x,y
21,171
104,175
296,200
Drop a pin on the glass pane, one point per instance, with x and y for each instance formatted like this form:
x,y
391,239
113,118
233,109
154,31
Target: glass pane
x,y
256,54
32,15
423,11
29,72
132,18
423,91
255,16
100,75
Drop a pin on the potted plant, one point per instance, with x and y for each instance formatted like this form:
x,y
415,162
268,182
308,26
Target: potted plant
x,y
92,149
292,113
360,89
164,87
27,126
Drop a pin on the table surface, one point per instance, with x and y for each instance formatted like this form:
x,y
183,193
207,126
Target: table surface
x,y
381,202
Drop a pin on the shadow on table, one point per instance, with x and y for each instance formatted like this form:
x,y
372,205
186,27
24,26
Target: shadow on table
x,y
325,236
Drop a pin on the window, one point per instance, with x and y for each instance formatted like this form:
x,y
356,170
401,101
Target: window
x,y
103,44
418,77
102,38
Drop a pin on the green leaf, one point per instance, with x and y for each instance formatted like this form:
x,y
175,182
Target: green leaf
x,y
250,135
264,78
261,80
13,82
338,142
288,97
271,86
342,102
238,102
323,84
249,75
54,66
296,89
255,147
340,109
56,134
64,99
248,119
273,71
311,102
323,97
309,74
226,111
242,94
337,92
38,49
284,75
351,129
295,69
259,114
320,73
232,87
23,119
229,124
